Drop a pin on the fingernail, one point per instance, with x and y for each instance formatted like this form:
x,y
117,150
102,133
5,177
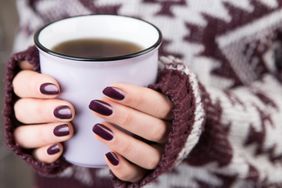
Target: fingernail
x,y
53,149
49,89
61,130
103,132
101,107
113,93
63,112
112,157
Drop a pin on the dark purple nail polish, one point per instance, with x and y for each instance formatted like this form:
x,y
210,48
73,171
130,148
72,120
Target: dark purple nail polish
x,y
53,149
63,112
113,93
62,130
111,156
101,107
103,132
49,89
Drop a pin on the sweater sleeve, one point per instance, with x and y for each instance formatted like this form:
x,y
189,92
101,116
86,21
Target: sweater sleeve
x,y
219,135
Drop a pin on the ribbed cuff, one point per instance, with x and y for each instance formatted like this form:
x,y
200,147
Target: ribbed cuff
x,y
186,124
10,123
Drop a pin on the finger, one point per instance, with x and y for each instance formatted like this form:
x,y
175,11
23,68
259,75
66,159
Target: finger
x,y
35,85
49,153
123,169
25,65
33,136
132,149
140,98
30,111
141,124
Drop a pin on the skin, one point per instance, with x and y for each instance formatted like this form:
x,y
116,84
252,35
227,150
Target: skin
x,y
142,112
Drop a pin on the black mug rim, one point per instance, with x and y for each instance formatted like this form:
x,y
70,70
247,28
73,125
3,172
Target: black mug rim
x,y
113,58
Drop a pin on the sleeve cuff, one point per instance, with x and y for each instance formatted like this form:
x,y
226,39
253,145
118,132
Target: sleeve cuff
x,y
10,122
181,87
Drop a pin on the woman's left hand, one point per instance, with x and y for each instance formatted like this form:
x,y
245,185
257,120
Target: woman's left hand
x,y
141,112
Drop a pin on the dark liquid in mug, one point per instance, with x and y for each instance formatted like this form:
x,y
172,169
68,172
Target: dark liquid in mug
x,y
96,48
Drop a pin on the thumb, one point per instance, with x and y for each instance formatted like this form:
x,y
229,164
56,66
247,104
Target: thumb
x,y
25,65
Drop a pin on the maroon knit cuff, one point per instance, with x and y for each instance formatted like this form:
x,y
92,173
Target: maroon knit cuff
x,y
176,86
10,122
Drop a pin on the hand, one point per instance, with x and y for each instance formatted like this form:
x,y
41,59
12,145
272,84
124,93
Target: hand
x,y
135,128
46,120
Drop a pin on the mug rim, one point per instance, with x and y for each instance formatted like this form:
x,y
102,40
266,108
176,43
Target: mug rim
x,y
113,58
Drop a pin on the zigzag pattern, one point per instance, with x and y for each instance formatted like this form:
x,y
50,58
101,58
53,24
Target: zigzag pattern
x,y
192,31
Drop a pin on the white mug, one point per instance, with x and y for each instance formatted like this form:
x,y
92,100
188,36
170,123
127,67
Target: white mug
x,y
83,79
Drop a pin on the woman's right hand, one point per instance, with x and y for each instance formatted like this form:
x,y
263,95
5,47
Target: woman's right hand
x,y
45,119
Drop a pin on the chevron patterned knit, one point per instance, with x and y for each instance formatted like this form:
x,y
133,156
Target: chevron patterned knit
x,y
221,66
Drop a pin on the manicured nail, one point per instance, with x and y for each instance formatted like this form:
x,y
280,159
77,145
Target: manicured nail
x,y
113,93
63,112
103,132
101,107
53,149
62,130
49,89
112,157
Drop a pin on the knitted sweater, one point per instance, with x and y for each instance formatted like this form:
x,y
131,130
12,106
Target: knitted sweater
x,y
226,121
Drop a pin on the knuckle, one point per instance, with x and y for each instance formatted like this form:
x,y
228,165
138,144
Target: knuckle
x,y
127,148
160,112
19,75
135,100
126,118
37,107
18,109
18,135
156,133
152,163
124,175
25,65
14,82
37,156
138,100
42,136
122,147
24,83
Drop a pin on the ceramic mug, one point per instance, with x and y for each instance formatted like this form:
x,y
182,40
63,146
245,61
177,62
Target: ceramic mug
x,y
83,79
